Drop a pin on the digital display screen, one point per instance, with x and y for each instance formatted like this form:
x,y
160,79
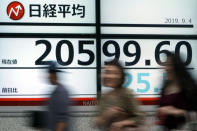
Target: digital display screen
x,y
81,35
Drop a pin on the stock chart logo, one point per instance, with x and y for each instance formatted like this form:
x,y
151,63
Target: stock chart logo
x,y
15,10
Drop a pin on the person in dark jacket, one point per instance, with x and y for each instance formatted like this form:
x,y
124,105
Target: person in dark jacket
x,y
58,103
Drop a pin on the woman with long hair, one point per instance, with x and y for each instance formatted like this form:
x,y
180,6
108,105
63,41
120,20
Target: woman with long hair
x,y
178,95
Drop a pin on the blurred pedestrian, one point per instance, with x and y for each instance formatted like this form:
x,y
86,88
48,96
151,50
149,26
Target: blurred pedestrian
x,y
58,103
178,95
118,109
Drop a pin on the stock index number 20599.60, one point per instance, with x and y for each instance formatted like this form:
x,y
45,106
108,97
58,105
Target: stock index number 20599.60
x,y
85,48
